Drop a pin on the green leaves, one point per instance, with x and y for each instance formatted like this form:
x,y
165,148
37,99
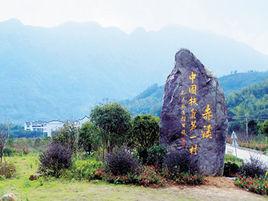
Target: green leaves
x,y
114,122
145,131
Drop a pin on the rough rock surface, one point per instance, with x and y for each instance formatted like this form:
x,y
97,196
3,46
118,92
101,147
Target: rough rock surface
x,y
8,197
194,114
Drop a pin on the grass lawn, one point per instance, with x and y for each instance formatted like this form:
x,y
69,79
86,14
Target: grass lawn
x,y
59,189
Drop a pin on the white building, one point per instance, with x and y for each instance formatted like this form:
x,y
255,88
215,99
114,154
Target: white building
x,y
51,126
81,121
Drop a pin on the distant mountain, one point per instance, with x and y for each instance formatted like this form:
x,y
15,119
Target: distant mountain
x,y
234,86
60,72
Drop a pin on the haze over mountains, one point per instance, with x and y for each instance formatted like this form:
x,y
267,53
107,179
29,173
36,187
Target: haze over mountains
x,y
60,72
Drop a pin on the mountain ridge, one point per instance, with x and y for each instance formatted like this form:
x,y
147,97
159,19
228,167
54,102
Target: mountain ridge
x,y
60,72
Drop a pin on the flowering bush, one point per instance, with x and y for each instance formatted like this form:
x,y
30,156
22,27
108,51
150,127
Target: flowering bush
x,y
148,176
256,185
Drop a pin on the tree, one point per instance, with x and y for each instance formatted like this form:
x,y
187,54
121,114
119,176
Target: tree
x,y
145,131
264,127
89,137
3,139
145,134
114,122
67,136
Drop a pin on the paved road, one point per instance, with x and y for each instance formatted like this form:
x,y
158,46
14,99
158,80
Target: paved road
x,y
245,154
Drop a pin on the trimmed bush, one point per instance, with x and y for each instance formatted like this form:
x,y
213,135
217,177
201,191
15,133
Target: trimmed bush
x,y
55,159
156,155
7,170
176,162
121,162
253,168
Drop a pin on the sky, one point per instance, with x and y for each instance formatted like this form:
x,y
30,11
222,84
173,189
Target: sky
x,y
243,20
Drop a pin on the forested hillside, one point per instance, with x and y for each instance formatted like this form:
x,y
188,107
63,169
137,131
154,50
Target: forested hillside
x,y
251,101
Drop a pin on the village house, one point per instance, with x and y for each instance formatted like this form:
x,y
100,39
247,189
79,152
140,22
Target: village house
x,y
47,128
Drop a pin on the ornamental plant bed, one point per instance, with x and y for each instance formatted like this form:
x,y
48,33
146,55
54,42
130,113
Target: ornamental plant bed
x,y
149,176
256,185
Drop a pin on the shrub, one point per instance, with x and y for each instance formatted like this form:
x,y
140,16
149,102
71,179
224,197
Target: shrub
x,y
253,168
256,185
230,169
55,159
85,169
121,162
7,170
156,155
233,159
189,179
176,162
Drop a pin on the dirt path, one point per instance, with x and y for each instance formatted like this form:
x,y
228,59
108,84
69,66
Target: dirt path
x,y
220,189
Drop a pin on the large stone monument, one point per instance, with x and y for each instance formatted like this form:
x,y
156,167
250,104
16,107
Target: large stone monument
x,y
194,114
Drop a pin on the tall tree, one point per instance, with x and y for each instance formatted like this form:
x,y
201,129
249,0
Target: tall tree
x,y
145,131
89,137
114,121
145,134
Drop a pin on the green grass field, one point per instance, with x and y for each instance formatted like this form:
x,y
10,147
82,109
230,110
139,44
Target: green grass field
x,y
60,189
